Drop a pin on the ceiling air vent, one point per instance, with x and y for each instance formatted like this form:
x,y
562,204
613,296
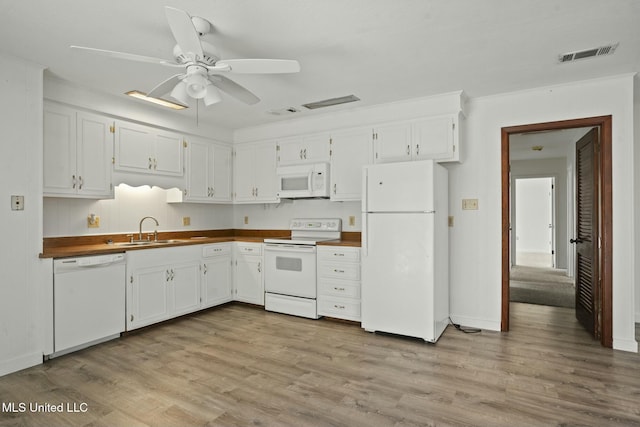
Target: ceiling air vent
x,y
588,53
331,102
284,111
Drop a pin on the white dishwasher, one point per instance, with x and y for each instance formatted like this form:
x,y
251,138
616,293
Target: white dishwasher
x,y
88,301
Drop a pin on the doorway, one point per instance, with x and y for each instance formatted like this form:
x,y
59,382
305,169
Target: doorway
x,y
602,168
534,222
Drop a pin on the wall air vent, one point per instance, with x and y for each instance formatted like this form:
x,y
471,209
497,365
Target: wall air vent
x,y
331,102
588,53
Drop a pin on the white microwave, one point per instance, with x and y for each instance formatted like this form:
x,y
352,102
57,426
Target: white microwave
x,y
303,181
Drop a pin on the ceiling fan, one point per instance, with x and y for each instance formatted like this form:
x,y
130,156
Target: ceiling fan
x,y
203,69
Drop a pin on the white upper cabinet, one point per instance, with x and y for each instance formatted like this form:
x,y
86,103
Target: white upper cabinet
x,y
350,150
148,150
303,149
78,151
254,173
208,172
435,138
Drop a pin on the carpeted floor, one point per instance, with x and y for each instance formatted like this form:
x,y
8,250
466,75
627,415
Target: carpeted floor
x,y
543,286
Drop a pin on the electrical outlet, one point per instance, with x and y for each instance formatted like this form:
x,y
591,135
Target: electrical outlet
x,y
186,220
470,204
352,221
246,220
93,221
450,221
17,203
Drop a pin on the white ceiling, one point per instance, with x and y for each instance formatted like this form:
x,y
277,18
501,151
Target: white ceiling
x,y
379,50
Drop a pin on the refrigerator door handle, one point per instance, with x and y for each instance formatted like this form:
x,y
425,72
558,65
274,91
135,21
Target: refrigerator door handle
x,y
365,234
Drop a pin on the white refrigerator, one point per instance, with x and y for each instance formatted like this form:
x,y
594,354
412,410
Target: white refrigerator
x,y
405,249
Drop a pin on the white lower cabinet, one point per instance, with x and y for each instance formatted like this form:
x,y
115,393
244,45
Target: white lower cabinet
x,y
161,284
216,276
248,275
339,282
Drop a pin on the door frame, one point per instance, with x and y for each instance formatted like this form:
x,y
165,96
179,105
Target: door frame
x,y
604,123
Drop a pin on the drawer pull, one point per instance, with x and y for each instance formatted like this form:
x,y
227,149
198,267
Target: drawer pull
x,y
339,307
335,270
336,254
338,289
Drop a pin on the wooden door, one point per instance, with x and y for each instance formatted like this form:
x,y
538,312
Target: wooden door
x,y
587,233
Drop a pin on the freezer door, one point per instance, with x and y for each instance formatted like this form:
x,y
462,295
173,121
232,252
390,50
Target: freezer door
x,y
398,275
399,187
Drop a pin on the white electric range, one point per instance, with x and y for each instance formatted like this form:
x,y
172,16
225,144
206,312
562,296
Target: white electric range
x,y
290,266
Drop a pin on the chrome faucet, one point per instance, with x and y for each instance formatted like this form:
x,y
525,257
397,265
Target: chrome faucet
x,y
140,228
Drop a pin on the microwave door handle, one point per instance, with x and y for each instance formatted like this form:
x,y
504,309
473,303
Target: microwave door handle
x,y
310,180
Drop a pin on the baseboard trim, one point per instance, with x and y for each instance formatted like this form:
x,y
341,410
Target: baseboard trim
x,y
20,363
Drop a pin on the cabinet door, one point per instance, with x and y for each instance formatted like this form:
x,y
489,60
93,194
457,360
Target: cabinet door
x,y
221,184
134,148
198,161
433,138
290,152
184,288
265,172
350,150
304,149
148,303
243,184
94,153
216,281
168,154
393,143
59,150
248,280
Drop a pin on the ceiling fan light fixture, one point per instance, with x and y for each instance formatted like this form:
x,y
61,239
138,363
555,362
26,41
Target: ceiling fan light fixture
x,y
196,82
212,96
179,93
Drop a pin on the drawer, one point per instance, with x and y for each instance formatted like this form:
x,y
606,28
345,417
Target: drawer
x,y
338,253
209,251
249,248
343,289
339,307
339,271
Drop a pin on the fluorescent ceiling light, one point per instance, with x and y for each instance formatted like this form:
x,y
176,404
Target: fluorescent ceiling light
x,y
159,101
330,102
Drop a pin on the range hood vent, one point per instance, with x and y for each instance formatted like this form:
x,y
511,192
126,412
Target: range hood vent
x,y
588,53
331,102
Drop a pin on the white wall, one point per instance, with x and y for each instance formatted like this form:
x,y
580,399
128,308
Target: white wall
x,y
556,167
68,217
23,273
476,238
534,214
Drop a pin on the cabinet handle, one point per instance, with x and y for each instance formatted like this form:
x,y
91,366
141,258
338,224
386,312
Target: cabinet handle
x,y
259,267
305,153
173,274
155,164
205,268
337,254
334,188
338,271
80,181
256,191
301,153
73,181
408,150
338,289
417,149
131,317
339,307
167,276
150,163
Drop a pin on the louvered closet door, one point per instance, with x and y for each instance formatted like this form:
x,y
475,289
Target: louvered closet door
x,y
586,239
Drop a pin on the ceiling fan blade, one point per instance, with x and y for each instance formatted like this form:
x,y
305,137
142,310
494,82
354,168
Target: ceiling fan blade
x,y
184,32
261,66
166,86
234,89
127,56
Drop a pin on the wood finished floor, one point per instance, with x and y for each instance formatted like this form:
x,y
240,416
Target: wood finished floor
x,y
238,365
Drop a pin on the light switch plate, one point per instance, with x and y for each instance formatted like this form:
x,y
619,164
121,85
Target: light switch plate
x,y
352,221
17,203
246,220
186,220
93,222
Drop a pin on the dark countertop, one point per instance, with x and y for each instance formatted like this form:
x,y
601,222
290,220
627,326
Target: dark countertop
x,y
62,247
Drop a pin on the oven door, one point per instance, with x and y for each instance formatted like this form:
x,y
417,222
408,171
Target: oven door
x,y
290,269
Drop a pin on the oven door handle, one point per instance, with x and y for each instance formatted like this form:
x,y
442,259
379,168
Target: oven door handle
x,y
276,247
